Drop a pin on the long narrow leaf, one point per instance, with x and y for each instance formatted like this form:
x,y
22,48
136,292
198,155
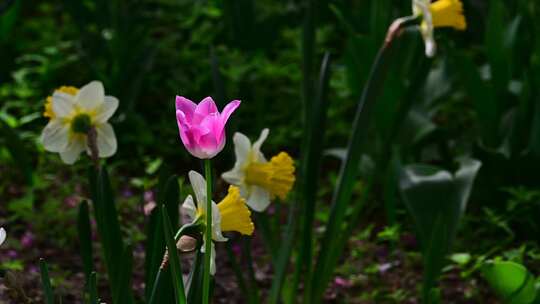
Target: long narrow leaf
x,y
174,259
311,167
349,168
92,288
85,239
46,282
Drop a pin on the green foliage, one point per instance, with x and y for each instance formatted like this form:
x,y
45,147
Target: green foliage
x,y
513,282
436,200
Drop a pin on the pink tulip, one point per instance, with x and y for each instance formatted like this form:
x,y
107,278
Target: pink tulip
x,y
202,127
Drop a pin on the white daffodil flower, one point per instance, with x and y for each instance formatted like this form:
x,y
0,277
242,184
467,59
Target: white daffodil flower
x,y
258,179
2,235
73,113
231,214
441,13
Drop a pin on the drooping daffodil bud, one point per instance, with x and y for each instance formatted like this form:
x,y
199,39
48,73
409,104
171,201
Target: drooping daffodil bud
x,y
259,180
230,214
202,127
441,13
3,235
73,113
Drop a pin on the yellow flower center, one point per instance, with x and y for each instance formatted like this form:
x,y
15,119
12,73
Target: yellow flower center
x,y
48,112
276,176
448,13
235,215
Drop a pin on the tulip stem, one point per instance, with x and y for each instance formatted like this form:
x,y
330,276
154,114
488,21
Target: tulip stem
x,y
208,231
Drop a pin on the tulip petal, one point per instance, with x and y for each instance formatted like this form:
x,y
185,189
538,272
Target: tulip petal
x,y
106,140
55,136
227,112
207,107
107,109
186,106
91,96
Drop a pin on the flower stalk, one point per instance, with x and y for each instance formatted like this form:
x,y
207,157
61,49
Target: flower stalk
x,y
92,145
208,231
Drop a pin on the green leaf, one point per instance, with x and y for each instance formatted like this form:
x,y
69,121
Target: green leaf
x,y
85,239
483,98
46,282
109,231
436,199
123,289
174,259
169,194
512,281
310,169
349,170
92,288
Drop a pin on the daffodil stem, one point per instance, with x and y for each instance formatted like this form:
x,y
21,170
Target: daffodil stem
x,y
208,232
92,144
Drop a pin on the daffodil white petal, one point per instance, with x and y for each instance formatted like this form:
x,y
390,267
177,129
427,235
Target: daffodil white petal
x,y
235,176
3,235
430,45
189,207
91,96
55,136
198,183
256,149
217,235
73,150
421,8
258,199
212,257
242,146
107,109
62,104
106,140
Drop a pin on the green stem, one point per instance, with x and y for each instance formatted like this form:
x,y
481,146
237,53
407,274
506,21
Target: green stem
x,y
208,231
157,280
237,269
155,287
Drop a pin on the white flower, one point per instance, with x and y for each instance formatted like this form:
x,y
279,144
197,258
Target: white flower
x,y
441,13
230,214
73,115
259,179
421,8
198,183
2,235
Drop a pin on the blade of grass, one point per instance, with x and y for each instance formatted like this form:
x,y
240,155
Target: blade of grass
x,y
263,226
311,169
174,259
194,284
349,168
46,282
123,292
284,255
92,288
253,290
237,270
85,239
